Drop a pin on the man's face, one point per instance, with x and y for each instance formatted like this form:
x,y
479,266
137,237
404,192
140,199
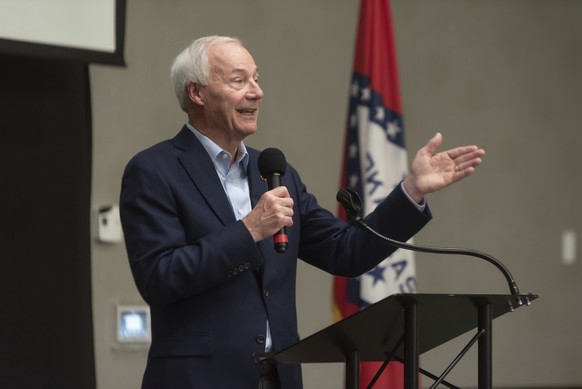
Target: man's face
x,y
232,96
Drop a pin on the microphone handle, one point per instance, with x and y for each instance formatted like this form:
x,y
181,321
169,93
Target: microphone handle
x,y
280,239
273,180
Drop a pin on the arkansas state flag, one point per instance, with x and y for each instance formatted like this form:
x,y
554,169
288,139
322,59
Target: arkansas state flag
x,y
374,162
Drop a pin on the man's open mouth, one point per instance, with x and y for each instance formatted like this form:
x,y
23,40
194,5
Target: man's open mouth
x,y
247,111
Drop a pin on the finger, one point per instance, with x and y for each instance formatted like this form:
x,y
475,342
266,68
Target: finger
x,y
284,214
462,173
285,206
467,165
471,158
464,151
280,191
434,143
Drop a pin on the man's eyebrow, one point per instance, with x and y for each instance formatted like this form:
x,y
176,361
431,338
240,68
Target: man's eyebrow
x,y
241,70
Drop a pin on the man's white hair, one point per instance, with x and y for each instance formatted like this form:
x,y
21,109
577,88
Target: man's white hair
x,y
191,65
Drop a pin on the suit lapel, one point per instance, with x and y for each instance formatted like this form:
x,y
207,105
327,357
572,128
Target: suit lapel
x,y
198,164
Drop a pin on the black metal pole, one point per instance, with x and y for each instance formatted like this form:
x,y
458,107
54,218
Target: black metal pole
x,y
353,370
411,363
485,359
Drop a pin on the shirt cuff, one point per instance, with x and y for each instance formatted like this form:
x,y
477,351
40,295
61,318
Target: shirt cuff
x,y
418,206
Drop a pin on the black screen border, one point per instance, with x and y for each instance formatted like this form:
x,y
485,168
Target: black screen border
x,y
22,48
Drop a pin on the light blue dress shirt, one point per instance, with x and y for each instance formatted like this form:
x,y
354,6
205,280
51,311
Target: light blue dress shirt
x,y
232,175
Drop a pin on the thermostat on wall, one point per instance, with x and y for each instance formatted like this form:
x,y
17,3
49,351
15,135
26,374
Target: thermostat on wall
x,y
133,324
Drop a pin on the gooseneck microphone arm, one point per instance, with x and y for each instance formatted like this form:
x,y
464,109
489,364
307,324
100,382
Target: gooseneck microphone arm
x,y
351,202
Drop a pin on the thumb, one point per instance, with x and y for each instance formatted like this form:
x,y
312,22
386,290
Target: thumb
x,y
434,143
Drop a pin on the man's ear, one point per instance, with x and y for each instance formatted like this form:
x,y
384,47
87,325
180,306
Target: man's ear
x,y
195,94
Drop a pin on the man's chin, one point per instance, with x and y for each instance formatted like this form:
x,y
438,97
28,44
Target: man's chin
x,y
248,129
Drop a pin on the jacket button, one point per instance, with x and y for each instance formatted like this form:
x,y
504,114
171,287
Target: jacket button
x,y
260,338
247,265
241,268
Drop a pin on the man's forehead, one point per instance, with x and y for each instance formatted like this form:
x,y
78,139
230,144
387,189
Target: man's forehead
x,y
229,51
231,57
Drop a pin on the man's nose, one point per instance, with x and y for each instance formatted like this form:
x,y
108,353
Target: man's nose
x,y
255,90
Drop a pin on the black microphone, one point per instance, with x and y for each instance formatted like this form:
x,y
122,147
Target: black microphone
x,y
272,165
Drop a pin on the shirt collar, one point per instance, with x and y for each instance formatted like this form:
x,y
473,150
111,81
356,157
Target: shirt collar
x,y
220,157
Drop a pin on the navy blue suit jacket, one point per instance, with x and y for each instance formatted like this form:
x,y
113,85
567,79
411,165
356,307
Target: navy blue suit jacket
x,y
210,287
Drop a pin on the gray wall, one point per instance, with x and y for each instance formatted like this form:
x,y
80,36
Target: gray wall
x,y
504,75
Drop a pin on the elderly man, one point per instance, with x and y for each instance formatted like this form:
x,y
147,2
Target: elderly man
x,y
198,224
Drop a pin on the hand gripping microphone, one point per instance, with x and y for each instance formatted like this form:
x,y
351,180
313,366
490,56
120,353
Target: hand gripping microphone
x,y
272,165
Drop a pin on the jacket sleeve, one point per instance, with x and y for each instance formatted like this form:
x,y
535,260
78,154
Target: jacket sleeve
x,y
341,249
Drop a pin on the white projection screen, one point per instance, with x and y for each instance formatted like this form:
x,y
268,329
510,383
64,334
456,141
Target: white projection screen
x,y
84,30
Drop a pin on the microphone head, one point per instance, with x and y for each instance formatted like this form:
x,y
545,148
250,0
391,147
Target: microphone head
x,y
272,161
352,204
